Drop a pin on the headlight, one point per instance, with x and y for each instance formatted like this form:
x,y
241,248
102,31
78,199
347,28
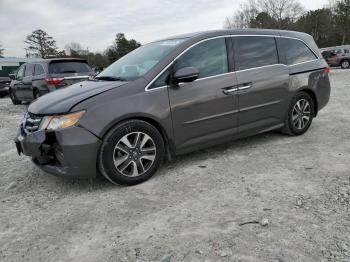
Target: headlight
x,y
62,121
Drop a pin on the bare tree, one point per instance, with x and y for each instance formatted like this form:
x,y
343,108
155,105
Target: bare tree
x,y
281,9
40,44
73,47
242,17
284,12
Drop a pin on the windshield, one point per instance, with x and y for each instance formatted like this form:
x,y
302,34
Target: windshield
x,y
138,62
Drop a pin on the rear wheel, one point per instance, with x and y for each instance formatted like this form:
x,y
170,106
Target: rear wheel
x,y
345,64
131,153
300,115
13,97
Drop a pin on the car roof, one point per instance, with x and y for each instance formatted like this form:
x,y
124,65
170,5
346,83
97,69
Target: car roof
x,y
248,31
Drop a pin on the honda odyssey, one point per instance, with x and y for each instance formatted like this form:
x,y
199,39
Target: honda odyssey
x,y
174,96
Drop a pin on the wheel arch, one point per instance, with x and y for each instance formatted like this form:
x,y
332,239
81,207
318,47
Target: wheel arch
x,y
168,144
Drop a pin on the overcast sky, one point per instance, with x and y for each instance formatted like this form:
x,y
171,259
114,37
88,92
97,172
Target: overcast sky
x,y
94,24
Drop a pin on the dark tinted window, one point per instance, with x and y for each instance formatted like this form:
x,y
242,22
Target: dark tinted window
x,y
346,51
162,80
38,70
209,57
295,51
69,67
29,70
256,51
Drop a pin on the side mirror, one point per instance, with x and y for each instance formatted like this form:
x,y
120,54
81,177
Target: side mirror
x,y
186,74
12,76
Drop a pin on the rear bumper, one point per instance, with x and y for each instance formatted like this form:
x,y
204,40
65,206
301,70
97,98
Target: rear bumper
x,y
70,152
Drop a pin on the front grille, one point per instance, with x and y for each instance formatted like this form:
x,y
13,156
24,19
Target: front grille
x,y
31,122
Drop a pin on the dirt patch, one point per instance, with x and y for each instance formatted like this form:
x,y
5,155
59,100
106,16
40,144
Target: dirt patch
x,y
296,190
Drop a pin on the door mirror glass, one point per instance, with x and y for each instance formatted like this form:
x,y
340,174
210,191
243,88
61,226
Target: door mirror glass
x,y
186,74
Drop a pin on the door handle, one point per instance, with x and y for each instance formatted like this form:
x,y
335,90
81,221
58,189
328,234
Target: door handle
x,y
229,91
244,87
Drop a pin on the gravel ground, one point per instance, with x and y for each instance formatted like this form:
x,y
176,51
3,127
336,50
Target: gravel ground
x,y
294,190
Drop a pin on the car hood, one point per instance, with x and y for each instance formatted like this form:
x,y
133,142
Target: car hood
x,y
62,101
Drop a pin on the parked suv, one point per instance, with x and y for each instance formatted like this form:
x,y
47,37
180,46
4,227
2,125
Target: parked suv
x,y
338,57
174,96
35,79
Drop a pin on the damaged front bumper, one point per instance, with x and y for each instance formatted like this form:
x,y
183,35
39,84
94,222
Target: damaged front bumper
x,y
69,152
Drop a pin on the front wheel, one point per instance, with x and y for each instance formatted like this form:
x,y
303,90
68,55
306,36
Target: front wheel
x,y
345,64
300,115
131,153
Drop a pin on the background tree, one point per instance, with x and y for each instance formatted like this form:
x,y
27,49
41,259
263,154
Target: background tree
x,y
321,25
329,26
279,14
73,49
342,19
121,47
40,44
1,51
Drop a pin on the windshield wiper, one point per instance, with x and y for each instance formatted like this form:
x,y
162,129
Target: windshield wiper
x,y
110,78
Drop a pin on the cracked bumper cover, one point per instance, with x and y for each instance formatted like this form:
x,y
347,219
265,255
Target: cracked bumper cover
x,y
70,152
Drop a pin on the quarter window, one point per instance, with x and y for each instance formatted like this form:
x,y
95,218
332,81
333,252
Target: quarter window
x,y
255,51
295,51
209,57
162,80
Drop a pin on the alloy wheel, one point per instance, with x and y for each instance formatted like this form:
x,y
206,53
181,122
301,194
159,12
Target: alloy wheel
x,y
345,64
301,114
134,154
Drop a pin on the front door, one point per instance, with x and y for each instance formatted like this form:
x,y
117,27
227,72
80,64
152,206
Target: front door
x,y
204,111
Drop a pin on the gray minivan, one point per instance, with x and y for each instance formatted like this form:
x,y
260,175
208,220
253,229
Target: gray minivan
x,y
34,79
174,96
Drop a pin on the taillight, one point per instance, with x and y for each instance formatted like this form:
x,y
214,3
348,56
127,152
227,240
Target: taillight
x,y
53,81
328,69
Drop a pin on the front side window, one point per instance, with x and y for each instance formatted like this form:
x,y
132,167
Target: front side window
x,y
209,57
255,51
295,51
140,61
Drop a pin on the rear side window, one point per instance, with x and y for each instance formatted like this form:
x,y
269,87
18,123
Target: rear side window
x,y
38,70
295,51
64,67
209,57
255,51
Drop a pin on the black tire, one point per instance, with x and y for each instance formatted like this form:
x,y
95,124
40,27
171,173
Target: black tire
x,y
291,126
109,147
36,94
14,98
345,64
